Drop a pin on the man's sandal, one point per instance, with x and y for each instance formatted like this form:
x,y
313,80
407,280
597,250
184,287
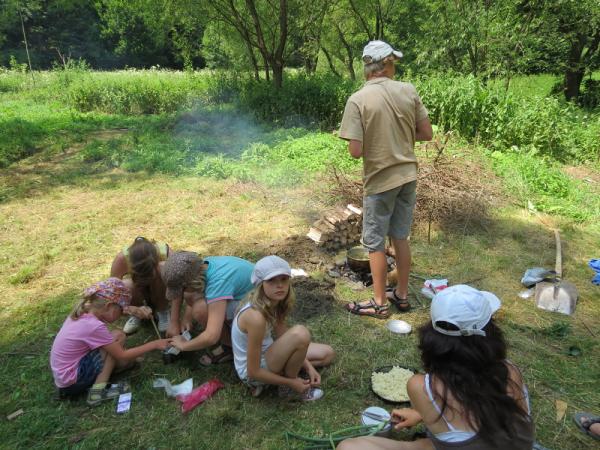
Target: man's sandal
x,y
584,421
97,396
218,355
379,311
401,304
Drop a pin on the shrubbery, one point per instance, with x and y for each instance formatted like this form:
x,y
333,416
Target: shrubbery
x,y
133,92
312,101
544,126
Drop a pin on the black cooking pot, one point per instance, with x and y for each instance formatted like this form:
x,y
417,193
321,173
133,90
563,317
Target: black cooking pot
x,y
358,259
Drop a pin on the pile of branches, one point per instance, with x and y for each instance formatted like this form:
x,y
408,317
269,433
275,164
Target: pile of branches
x,y
451,193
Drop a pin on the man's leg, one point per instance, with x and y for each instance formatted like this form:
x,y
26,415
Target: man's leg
x,y
378,263
403,259
377,212
400,225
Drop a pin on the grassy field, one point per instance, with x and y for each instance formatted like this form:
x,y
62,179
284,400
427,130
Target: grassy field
x,y
95,181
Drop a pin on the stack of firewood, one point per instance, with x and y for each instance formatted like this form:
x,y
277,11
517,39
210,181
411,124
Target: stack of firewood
x,y
337,228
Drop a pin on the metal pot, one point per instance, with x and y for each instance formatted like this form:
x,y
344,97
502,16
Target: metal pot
x,y
358,259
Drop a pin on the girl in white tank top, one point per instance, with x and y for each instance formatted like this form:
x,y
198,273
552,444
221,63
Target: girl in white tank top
x,y
265,350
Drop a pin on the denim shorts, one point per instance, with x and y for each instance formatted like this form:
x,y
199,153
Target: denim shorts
x,y
89,368
388,213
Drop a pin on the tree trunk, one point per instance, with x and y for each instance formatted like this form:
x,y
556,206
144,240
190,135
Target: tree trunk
x,y
575,69
330,62
278,75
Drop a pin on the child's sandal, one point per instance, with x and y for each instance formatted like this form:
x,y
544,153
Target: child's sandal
x,y
212,357
97,396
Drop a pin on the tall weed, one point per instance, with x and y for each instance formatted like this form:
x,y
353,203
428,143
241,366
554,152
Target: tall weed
x,y
541,125
539,182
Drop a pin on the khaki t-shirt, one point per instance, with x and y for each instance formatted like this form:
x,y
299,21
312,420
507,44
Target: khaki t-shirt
x,y
383,115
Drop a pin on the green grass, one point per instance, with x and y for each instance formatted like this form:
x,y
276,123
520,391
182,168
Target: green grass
x,y
211,180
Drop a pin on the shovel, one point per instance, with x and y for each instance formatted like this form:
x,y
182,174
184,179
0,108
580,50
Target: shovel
x,y
558,295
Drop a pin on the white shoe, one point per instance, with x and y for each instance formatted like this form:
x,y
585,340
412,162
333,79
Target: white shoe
x,y
313,394
308,396
164,318
132,325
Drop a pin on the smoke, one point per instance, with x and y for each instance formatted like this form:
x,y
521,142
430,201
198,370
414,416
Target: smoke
x,y
219,130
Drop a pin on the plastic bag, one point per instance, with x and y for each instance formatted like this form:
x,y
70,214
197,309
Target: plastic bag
x,y
199,395
174,390
433,286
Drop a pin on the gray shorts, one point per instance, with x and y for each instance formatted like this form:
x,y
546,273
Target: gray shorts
x,y
388,213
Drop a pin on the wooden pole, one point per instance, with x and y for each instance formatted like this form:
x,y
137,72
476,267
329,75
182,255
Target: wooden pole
x,y
26,45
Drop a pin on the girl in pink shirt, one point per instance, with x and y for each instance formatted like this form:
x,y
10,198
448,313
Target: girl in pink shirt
x,y
85,352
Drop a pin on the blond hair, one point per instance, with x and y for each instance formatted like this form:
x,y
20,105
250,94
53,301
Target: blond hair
x,y
272,313
87,304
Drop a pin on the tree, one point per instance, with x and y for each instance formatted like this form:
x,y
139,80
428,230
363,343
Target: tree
x,y
262,26
577,25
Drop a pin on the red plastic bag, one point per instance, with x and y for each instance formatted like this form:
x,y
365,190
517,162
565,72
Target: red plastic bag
x,y
199,395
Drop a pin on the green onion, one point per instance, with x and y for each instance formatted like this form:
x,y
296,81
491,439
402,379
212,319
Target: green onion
x,y
331,439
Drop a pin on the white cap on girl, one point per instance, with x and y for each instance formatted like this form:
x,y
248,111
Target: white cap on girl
x,y
464,307
269,267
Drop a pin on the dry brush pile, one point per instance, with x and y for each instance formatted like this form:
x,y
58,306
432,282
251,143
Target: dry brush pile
x,y
453,193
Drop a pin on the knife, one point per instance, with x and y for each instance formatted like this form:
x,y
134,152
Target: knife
x,y
378,417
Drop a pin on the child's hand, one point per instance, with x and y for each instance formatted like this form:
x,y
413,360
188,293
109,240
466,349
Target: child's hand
x,y
178,341
162,344
300,385
315,377
405,418
173,330
143,312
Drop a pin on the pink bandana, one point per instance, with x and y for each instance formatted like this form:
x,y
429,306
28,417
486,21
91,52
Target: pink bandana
x,y
112,290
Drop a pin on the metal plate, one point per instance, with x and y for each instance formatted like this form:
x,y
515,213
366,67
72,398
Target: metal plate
x,y
385,369
398,326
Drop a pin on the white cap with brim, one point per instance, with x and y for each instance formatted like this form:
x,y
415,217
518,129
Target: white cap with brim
x,y
464,307
375,51
269,267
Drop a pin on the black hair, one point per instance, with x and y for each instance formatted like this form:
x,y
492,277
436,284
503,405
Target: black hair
x,y
473,369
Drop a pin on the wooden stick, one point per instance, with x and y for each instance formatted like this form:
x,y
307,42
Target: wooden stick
x,y
155,327
588,328
153,322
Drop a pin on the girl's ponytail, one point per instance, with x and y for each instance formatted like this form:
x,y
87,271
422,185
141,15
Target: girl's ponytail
x,y
86,304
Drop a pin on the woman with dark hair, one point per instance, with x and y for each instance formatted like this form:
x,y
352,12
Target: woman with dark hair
x,y
138,266
471,397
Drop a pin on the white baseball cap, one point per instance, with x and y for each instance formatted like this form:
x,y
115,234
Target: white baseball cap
x,y
464,307
269,267
377,50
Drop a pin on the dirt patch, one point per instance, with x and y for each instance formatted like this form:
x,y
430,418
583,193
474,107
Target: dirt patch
x,y
585,174
313,298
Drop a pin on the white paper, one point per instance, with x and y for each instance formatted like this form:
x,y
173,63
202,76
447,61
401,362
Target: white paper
x,y
124,403
178,389
298,273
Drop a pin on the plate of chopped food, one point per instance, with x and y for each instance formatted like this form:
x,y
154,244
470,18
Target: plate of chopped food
x,y
389,383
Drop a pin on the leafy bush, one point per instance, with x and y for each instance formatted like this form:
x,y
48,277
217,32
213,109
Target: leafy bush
x,y
540,182
543,125
309,101
590,96
133,92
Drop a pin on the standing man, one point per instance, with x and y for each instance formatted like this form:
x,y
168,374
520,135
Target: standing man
x,y
381,123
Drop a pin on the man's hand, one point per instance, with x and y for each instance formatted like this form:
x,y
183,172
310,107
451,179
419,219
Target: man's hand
x,y
355,148
299,385
405,418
